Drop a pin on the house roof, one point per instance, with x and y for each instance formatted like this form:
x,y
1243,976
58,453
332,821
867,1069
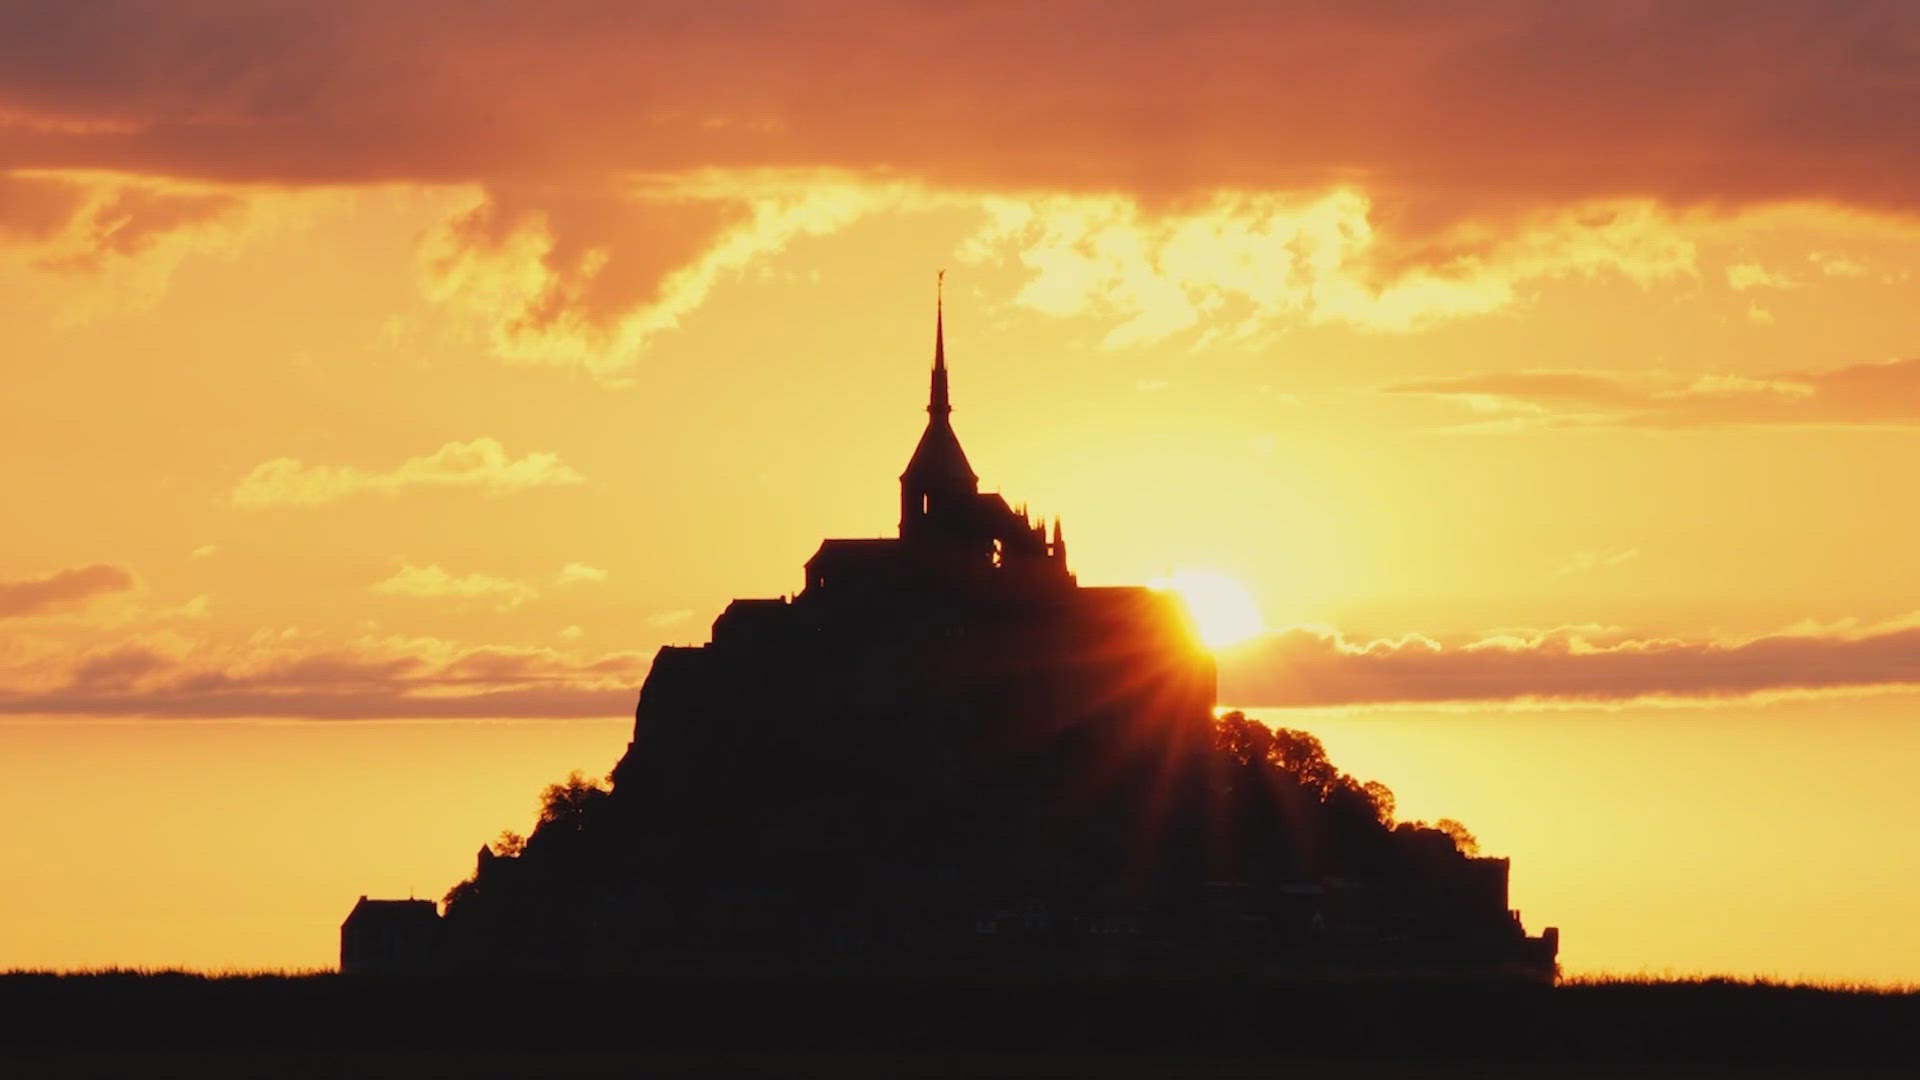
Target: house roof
x,y
392,911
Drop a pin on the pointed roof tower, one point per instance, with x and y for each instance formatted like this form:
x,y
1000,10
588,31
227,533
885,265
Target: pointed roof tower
x,y
937,403
938,462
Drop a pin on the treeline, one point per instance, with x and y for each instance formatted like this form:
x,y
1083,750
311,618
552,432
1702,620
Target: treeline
x,y
820,836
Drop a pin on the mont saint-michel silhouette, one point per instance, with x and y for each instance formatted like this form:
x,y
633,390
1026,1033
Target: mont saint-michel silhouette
x,y
945,755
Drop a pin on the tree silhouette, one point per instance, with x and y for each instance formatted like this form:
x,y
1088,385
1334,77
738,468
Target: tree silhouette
x,y
1301,754
1382,798
569,805
1245,740
1463,841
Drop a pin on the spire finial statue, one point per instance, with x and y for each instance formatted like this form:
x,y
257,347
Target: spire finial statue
x,y
937,403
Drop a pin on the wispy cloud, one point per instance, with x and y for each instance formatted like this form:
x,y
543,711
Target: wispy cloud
x,y
1748,275
1246,262
1833,265
78,222
580,574
481,464
114,239
590,278
1884,394
1309,666
369,680
1586,562
61,588
432,581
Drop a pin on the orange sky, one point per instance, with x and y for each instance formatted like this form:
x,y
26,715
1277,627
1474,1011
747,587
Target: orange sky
x,y
1537,369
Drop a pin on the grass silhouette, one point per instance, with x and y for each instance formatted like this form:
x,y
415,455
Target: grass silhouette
x,y
252,1023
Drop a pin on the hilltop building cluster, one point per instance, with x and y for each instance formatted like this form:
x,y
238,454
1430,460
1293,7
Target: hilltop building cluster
x,y
945,754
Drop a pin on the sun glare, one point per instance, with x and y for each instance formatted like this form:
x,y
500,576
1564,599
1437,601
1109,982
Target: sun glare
x,y
1223,612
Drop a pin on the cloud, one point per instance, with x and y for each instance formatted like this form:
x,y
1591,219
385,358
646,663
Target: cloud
x,y
199,607
1744,276
35,596
481,464
1586,562
589,274
370,680
114,240
1881,394
1245,261
118,669
432,581
80,222
1836,266
1298,667
596,137
1491,102
580,573
38,209
1319,667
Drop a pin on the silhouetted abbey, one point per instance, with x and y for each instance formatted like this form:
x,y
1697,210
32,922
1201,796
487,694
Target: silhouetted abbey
x,y
944,754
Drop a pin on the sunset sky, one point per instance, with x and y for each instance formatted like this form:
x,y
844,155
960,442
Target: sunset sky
x,y
1549,375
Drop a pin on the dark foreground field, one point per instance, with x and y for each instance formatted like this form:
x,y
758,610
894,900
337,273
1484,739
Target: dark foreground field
x,y
329,1025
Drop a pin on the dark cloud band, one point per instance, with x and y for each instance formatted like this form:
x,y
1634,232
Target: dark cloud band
x,y
1440,109
35,596
1302,667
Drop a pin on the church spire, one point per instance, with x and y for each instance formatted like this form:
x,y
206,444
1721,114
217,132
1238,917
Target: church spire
x,y
937,404
938,481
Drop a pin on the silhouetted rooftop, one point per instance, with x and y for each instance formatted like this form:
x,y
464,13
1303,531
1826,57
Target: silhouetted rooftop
x,y
393,910
938,461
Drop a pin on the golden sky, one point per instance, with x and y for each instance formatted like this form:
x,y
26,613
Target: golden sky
x,y
1537,368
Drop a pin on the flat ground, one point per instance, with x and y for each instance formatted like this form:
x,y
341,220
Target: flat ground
x,y
327,1025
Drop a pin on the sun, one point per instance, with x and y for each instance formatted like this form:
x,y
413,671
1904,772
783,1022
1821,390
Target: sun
x,y
1223,612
